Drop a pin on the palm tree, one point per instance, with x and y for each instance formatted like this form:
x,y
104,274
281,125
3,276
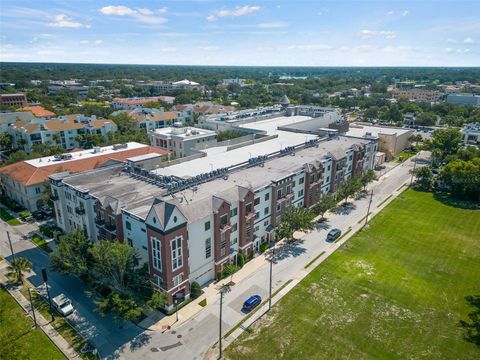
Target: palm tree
x,y
18,266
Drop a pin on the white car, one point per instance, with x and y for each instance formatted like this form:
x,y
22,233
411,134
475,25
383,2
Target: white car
x,y
63,305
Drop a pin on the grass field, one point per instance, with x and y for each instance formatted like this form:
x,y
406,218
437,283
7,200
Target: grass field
x,y
397,290
16,334
5,216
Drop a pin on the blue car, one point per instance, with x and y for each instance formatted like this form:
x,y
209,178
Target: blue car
x,y
252,302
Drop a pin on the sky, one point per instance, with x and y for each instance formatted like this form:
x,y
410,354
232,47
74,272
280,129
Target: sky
x,y
263,32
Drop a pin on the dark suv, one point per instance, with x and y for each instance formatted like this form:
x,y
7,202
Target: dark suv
x,y
334,234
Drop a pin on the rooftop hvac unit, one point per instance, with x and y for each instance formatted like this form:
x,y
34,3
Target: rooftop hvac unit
x,y
120,146
96,149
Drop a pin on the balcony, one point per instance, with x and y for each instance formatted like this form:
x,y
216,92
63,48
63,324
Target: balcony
x,y
110,227
80,211
54,197
250,215
225,227
99,221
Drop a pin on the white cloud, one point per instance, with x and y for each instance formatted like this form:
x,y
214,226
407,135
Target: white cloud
x,y
451,41
117,10
405,13
468,40
209,48
238,11
366,34
452,50
272,25
63,21
466,50
98,42
162,10
141,14
311,47
87,42
391,12
84,42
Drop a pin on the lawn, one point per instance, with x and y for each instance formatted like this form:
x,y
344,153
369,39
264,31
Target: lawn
x,y
16,335
397,290
5,216
41,243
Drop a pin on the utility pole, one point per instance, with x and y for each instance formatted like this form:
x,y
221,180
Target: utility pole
x,y
413,171
368,210
31,305
13,253
45,281
223,290
271,271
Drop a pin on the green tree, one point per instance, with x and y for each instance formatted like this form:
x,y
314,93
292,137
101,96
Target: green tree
x,y
230,269
17,267
113,261
294,219
463,178
47,194
424,177
5,141
426,119
157,300
152,105
325,203
71,255
367,178
195,290
415,138
446,140
124,306
349,188
240,260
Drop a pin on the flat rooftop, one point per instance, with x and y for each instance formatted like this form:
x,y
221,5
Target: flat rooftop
x,y
184,132
83,154
359,130
137,196
219,157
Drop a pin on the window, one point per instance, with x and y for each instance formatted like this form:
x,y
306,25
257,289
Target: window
x,y
177,280
234,227
248,208
312,178
279,193
144,230
266,210
257,201
37,190
156,253
234,241
278,207
130,242
300,193
224,219
267,196
176,248
208,248
257,215
128,225
223,245
207,226
69,209
266,223
301,180
257,228
293,183
233,212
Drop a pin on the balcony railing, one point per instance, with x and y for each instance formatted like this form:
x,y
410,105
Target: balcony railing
x,y
99,221
80,211
225,227
249,215
110,227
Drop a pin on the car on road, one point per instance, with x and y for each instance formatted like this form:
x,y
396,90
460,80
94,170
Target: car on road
x,y
38,215
63,305
334,234
252,302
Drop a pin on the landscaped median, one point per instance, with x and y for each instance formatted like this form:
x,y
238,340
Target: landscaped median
x,y
386,293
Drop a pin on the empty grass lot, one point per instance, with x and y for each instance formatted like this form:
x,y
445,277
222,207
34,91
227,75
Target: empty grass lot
x,y
395,291
17,340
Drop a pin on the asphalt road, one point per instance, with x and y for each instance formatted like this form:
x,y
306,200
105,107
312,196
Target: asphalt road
x,y
192,339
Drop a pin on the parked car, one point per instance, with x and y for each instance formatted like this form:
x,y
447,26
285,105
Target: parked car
x,y
63,305
38,215
334,234
252,302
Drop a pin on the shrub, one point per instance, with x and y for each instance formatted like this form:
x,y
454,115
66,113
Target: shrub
x,y
264,247
195,290
240,260
11,204
203,303
49,231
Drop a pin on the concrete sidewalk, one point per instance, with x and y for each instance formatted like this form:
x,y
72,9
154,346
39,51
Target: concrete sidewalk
x,y
48,329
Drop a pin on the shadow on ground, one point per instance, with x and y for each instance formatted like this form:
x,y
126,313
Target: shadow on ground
x,y
345,209
472,326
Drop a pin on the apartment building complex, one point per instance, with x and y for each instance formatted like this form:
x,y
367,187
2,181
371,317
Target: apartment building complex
x,y
24,181
62,130
13,99
471,134
139,102
464,99
418,95
151,119
182,141
187,227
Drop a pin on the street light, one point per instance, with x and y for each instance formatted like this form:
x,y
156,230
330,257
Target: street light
x,y
368,210
272,258
223,290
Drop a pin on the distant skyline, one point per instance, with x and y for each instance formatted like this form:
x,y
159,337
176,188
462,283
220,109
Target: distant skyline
x,y
263,33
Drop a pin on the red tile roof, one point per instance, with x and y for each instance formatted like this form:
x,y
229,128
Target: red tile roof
x,y
28,174
37,110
